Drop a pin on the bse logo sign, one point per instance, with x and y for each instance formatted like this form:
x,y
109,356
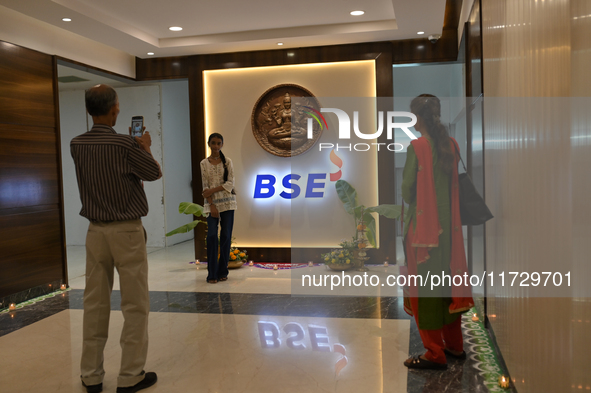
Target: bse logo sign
x,y
265,185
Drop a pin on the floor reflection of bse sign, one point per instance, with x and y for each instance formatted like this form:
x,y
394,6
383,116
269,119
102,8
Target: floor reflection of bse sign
x,y
295,338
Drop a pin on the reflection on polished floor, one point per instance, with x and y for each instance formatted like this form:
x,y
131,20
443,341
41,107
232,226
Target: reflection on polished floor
x,y
248,334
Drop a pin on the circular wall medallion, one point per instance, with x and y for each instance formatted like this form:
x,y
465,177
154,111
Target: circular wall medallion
x,y
282,128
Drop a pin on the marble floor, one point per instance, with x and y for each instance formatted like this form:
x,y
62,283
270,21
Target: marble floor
x,y
231,336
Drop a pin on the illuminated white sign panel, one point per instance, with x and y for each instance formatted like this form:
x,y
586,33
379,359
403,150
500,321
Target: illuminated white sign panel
x,y
292,202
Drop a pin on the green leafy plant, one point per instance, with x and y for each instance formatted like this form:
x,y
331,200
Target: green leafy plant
x,y
348,195
189,208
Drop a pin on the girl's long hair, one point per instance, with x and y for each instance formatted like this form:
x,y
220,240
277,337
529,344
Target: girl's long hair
x,y
222,156
428,108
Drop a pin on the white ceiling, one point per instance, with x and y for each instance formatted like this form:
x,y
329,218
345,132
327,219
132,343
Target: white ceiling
x,y
215,26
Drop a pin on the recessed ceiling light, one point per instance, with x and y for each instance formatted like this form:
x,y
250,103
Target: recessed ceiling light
x,y
420,32
66,19
150,53
357,13
175,28
280,43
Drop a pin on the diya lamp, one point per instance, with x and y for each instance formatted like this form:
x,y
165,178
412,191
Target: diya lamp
x,y
504,382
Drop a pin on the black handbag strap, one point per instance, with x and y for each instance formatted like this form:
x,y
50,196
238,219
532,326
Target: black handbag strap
x,y
459,155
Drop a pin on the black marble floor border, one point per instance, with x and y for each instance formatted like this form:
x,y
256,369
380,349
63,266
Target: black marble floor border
x,y
220,303
30,293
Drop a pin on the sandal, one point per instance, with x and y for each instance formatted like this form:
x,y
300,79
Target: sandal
x,y
461,356
212,281
223,278
419,363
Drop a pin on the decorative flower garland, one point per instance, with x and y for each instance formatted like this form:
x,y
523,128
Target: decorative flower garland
x,y
36,300
480,348
271,265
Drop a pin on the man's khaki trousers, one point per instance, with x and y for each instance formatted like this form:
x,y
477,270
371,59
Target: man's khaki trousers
x,y
121,245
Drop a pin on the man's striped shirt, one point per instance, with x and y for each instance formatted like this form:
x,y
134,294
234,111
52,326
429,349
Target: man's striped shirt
x,y
109,167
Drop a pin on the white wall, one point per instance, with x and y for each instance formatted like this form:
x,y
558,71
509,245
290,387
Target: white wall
x,y
72,123
137,100
176,142
31,33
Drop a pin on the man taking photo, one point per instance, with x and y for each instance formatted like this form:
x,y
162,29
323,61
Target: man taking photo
x,y
110,168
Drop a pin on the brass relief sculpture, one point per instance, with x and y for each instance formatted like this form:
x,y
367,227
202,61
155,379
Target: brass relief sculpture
x,y
280,127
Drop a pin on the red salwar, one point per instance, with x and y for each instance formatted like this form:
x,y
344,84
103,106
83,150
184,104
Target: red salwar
x,y
435,340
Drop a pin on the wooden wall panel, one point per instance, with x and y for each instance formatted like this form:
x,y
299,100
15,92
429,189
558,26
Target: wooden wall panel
x,y
421,50
26,87
161,68
32,248
28,166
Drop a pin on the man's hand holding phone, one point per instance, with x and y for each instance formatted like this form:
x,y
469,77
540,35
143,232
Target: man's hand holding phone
x,y
145,141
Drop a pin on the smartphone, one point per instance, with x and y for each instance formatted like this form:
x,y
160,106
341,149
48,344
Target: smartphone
x,y
137,126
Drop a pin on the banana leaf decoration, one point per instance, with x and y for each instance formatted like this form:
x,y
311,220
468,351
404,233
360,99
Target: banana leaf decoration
x,y
189,208
348,195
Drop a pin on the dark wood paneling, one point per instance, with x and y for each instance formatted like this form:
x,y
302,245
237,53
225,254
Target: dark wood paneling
x,y
162,68
421,50
58,146
26,87
30,245
28,166
474,53
31,212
